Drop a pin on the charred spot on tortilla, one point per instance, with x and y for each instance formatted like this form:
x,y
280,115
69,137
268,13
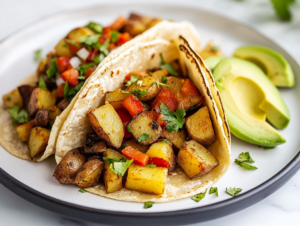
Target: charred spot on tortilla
x,y
118,71
152,56
112,74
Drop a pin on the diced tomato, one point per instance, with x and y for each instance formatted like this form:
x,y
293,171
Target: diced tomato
x,y
132,104
92,55
74,49
159,162
123,38
137,156
71,76
60,90
140,73
111,46
153,114
189,89
161,122
166,97
89,71
106,30
118,23
106,35
63,63
125,117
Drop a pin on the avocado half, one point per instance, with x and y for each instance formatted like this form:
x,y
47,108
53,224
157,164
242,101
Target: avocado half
x,y
271,62
249,99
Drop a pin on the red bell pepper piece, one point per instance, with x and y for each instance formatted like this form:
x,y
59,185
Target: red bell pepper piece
x,y
125,117
161,122
111,46
166,97
139,73
159,162
60,90
137,156
63,63
118,23
132,104
106,35
153,114
71,76
74,48
123,38
189,89
89,71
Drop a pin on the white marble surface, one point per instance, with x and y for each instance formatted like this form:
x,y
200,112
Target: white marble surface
x,y
281,208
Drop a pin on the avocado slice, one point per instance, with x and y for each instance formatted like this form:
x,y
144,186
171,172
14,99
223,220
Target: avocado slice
x,y
272,63
249,98
212,62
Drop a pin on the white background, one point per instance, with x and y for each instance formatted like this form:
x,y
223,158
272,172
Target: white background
x,y
281,208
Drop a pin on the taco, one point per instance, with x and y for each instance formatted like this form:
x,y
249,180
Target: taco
x,y
148,126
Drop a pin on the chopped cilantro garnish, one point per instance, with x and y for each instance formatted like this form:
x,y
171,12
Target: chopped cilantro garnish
x,y
82,190
199,197
123,146
159,83
65,45
103,48
169,67
151,165
70,93
114,36
244,158
213,190
53,69
18,116
38,55
90,41
8,98
164,79
175,119
128,129
140,93
233,191
193,107
42,83
82,69
72,42
214,48
120,167
95,27
143,137
110,160
133,79
125,92
245,165
167,141
282,8
148,205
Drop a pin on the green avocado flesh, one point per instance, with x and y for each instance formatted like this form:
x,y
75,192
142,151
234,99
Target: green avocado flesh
x,y
212,62
272,63
249,98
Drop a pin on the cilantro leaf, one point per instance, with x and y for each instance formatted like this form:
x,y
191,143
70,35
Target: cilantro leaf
x,y
91,40
197,198
70,93
123,146
125,92
72,42
120,168
169,67
193,107
282,8
233,191
151,165
42,83
175,119
148,205
82,190
128,129
37,55
213,190
114,36
110,160
53,69
245,165
159,83
167,141
133,79
103,48
163,79
95,27
82,69
20,117
245,157
214,48
140,93
143,137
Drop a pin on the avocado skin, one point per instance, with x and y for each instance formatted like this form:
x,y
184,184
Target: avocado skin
x,y
271,62
244,126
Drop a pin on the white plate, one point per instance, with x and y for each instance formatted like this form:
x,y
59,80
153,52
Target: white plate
x,y
16,62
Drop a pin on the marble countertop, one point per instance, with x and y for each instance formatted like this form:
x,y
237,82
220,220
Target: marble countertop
x,y
280,208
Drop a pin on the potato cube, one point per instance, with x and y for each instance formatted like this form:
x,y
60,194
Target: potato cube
x,y
142,124
195,160
38,140
62,48
54,111
177,138
13,98
163,150
112,181
108,125
135,144
115,98
77,33
200,128
24,130
159,74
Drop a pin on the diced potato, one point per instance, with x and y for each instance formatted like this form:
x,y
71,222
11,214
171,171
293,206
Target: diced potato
x,y
112,181
42,67
24,130
115,98
177,138
40,99
147,84
76,33
145,179
135,144
163,150
200,128
174,83
143,124
159,74
54,111
107,124
210,50
97,148
185,102
62,48
195,160
25,92
13,98
89,174
68,167
38,140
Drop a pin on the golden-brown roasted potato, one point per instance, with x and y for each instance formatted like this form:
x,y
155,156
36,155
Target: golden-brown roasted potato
x,y
62,48
163,150
91,139
159,74
195,160
13,98
63,104
147,85
142,124
25,92
40,99
175,84
95,149
210,50
145,179
89,174
54,111
177,138
24,130
68,167
76,33
42,118
42,68
199,127
112,181
38,140
107,124
114,98
186,103
135,144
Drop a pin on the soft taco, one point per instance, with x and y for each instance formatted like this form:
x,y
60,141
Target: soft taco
x,y
148,126
33,113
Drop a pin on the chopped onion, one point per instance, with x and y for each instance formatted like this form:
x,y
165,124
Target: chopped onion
x,y
83,53
59,81
75,62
